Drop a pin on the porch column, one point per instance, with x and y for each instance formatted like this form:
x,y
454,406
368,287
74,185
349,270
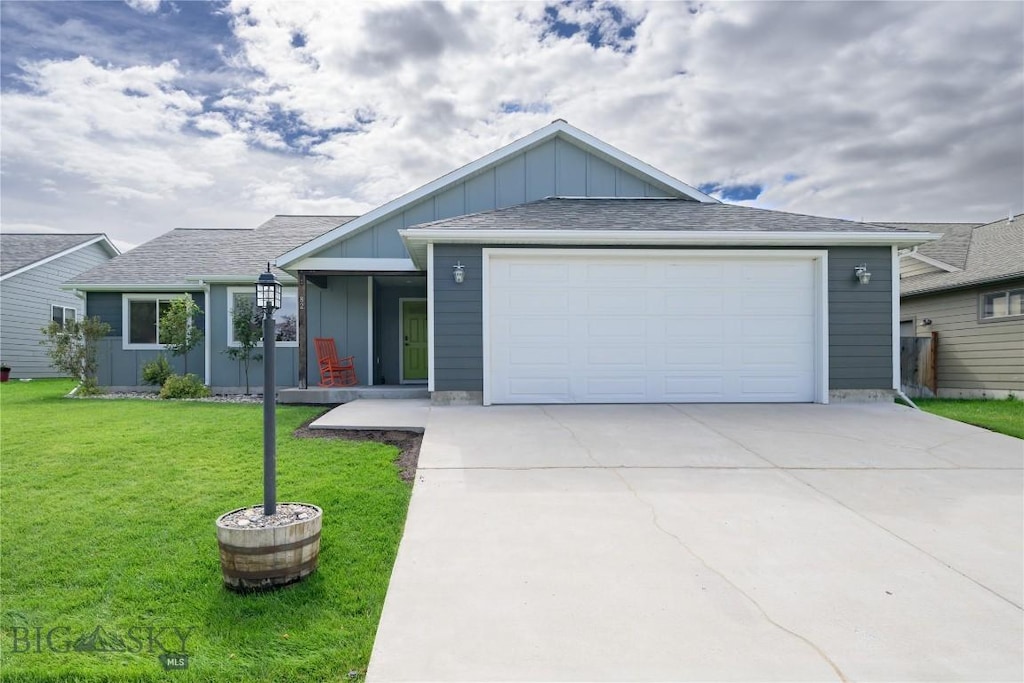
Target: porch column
x,y
303,334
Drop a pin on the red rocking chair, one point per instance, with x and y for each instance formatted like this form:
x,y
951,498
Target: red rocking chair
x,y
334,371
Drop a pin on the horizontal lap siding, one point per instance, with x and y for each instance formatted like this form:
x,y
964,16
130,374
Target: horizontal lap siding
x,y
860,319
458,319
25,302
971,355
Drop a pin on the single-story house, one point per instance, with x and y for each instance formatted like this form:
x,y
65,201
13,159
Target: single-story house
x,y
967,289
557,269
33,266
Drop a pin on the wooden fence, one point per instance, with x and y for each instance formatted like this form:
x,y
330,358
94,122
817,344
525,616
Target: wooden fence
x,y
917,365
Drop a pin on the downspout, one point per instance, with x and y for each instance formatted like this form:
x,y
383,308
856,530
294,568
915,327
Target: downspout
x,y
894,285
208,360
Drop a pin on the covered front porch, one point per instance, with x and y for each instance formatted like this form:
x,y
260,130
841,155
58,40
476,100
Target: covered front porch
x,y
378,317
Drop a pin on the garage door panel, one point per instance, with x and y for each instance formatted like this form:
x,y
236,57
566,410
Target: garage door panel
x,y
617,302
536,328
774,303
538,389
617,356
550,273
682,331
694,388
791,328
537,301
605,327
694,275
622,273
650,327
774,355
694,356
545,354
689,302
774,274
618,389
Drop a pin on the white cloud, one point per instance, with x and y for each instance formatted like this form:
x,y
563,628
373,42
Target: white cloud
x,y
881,111
144,6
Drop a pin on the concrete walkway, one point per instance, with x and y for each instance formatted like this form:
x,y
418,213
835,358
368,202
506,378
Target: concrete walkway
x,y
671,543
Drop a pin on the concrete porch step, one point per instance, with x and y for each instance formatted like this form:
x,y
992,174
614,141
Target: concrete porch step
x,y
335,395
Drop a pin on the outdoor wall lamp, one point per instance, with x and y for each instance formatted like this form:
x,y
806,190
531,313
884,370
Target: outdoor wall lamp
x,y
268,291
862,273
459,272
926,322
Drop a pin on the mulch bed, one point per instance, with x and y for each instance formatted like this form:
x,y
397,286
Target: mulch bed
x,y
408,443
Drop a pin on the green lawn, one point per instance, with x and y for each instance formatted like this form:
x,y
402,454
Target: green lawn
x,y
108,510
1006,417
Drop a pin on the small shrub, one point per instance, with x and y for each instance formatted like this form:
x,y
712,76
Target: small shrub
x,y
157,371
73,349
184,386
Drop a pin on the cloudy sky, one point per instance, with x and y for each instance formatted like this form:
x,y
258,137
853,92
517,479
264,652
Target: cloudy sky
x,y
135,118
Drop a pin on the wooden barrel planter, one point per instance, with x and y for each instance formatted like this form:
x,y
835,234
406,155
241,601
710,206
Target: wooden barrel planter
x,y
255,558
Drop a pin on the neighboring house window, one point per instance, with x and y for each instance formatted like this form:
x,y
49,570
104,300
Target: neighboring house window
x,y
141,317
1006,304
286,319
62,315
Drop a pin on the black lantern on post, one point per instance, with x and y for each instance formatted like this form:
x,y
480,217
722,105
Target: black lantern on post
x,y
268,299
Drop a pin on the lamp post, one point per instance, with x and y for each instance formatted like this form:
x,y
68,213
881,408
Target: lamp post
x,y
268,299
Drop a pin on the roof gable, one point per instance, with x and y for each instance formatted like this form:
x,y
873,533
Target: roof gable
x,y
183,257
556,159
20,252
989,253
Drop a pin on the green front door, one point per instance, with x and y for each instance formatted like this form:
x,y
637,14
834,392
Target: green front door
x,y
414,340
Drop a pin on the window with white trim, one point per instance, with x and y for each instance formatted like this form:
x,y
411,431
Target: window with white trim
x,y
286,318
141,315
1008,303
62,314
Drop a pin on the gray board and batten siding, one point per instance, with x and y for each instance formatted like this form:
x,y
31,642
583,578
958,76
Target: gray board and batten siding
x,y
25,308
859,319
555,167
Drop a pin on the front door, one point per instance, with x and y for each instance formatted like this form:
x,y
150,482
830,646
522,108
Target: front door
x,y
414,340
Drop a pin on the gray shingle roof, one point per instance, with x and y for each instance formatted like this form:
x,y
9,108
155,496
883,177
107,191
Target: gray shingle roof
x,y
646,214
18,250
995,252
173,257
952,248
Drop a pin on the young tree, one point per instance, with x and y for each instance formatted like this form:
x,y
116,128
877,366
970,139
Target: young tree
x,y
73,347
178,331
246,324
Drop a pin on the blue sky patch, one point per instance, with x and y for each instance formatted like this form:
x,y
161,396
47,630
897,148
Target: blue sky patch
x,y
515,107
611,27
193,33
733,193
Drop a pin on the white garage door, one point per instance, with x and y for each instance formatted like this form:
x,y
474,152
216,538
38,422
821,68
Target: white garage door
x,y
571,326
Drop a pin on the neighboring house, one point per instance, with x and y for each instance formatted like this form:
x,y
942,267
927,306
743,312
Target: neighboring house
x,y
968,289
556,269
33,266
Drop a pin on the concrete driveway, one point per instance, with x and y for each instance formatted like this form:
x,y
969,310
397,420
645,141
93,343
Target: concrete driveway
x,y
698,542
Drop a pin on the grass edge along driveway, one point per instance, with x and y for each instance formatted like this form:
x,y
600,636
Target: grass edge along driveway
x,y
108,538
1004,416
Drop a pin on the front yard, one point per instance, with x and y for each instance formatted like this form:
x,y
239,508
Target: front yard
x,y
108,541
1005,416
